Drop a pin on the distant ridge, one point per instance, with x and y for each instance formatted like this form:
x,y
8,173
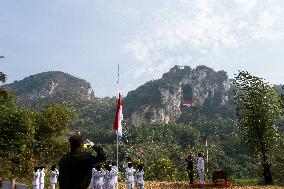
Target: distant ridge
x,y
156,101
50,87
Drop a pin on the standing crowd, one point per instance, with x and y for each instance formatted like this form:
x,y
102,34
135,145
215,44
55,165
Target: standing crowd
x,y
39,175
79,169
107,177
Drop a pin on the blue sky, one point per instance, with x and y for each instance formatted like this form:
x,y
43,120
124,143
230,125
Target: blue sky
x,y
88,38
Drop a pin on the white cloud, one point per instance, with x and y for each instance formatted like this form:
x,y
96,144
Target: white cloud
x,y
246,5
200,29
139,50
265,26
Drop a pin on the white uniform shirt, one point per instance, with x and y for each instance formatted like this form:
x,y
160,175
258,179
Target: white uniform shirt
x,y
106,179
36,178
200,163
112,174
139,177
53,176
41,177
115,169
98,177
129,175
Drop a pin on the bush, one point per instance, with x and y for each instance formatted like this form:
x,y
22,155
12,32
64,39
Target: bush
x,y
162,170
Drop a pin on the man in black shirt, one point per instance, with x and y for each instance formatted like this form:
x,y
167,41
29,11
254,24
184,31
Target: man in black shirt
x,y
190,169
75,167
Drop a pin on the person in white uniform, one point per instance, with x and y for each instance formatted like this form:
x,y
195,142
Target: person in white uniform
x,y
128,160
41,177
115,170
129,176
139,177
200,168
106,177
111,175
98,177
36,178
53,176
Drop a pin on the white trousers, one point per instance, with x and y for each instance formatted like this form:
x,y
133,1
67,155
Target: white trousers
x,y
52,185
98,187
140,186
41,185
105,185
130,185
201,174
35,187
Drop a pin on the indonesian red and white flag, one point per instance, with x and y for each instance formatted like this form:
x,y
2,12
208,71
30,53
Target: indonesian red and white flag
x,y
118,117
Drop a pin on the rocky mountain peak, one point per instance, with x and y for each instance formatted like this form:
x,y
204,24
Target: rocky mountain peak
x,y
210,89
52,86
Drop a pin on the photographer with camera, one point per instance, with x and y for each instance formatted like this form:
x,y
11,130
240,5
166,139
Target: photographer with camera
x,y
75,167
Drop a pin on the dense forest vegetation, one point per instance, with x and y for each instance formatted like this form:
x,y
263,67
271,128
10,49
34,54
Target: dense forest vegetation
x,y
36,134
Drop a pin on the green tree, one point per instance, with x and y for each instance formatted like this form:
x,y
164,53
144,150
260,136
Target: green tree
x,y
29,138
50,123
279,161
2,77
3,92
16,141
258,107
163,170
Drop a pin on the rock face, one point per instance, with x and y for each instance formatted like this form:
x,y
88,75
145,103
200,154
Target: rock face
x,y
161,100
50,87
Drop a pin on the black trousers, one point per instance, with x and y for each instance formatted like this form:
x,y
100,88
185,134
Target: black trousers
x,y
190,175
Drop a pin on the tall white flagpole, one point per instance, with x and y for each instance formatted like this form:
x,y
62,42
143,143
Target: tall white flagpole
x,y
117,140
206,144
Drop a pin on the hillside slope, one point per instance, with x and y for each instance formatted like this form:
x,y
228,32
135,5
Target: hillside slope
x,y
50,87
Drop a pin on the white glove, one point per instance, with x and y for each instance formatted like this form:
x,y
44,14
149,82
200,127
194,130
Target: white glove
x,y
90,143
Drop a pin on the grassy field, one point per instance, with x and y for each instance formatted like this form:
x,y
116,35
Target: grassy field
x,y
182,185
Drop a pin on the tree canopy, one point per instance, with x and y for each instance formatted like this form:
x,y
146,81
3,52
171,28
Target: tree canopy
x,y
258,107
31,138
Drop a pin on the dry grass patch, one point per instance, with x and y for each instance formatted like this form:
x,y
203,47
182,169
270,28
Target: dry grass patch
x,y
182,185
